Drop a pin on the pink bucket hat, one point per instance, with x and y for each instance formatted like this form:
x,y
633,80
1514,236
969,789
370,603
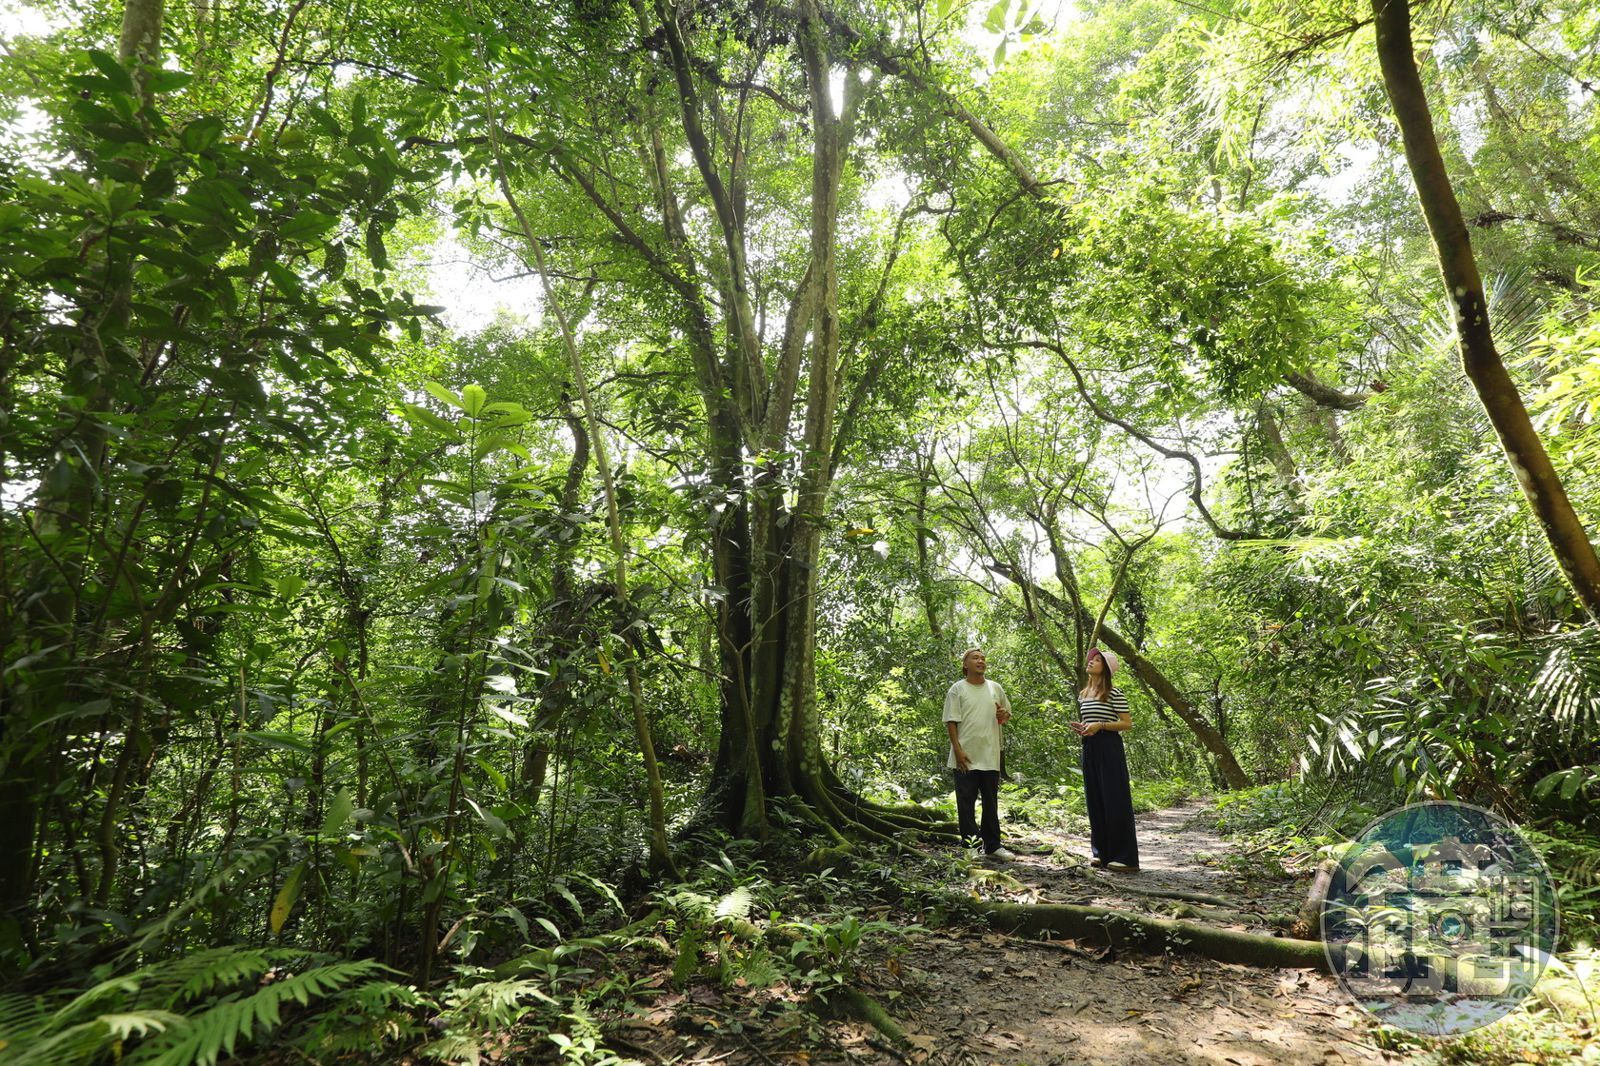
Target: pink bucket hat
x,y
1112,662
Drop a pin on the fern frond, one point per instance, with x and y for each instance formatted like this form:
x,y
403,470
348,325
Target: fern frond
x,y
76,1045
237,1020
18,1015
1566,690
206,971
244,867
735,904
462,1049
93,999
364,1018
140,1023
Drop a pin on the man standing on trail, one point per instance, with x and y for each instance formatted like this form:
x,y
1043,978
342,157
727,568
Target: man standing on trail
x,y
974,710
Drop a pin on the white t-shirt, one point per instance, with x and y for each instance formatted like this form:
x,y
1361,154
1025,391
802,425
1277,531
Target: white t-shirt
x,y
972,706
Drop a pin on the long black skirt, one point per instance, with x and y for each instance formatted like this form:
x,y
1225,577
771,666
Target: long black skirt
x,y
1109,799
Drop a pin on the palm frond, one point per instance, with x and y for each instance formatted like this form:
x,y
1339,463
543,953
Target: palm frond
x,y
1565,692
1517,314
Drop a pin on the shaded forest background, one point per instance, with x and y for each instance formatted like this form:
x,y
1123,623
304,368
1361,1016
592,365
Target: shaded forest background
x,y
465,463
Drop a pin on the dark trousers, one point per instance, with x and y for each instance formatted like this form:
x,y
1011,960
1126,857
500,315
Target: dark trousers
x,y
1109,798
970,784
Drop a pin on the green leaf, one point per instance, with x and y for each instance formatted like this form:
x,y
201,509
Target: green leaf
x,y
285,279
115,73
472,400
284,903
494,774
277,739
339,812
516,917
442,394
566,893
995,21
166,81
201,134
601,887
424,417
510,414
306,226
493,442
493,822
375,247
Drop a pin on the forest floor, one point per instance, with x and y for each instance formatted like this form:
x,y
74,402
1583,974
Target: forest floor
x,y
983,997
967,995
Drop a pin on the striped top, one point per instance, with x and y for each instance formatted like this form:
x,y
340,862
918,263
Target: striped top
x,y
1092,710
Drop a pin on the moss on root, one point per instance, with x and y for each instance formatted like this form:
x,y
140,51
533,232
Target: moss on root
x,y
1100,925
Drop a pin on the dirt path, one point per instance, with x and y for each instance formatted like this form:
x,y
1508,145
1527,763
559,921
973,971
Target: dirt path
x,y
984,998
967,996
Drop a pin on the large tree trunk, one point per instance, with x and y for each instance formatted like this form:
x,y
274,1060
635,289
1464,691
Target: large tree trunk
x,y
764,550
1541,485
830,135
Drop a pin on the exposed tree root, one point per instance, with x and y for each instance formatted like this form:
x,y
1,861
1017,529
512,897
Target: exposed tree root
x,y
905,816
1215,914
1311,909
1171,893
1101,925
887,819
859,1005
860,828
840,856
893,822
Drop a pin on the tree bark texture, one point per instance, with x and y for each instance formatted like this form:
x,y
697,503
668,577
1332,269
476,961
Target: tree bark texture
x,y
1537,476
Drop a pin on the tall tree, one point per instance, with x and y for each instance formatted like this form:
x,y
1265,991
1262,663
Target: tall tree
x,y
1537,476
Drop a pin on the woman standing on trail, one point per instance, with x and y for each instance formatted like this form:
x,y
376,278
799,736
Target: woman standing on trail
x,y
1104,713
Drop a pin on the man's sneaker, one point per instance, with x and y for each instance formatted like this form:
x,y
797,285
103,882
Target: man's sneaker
x,y
1003,855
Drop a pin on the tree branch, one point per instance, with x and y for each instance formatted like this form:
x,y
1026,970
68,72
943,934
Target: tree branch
x,y
1323,394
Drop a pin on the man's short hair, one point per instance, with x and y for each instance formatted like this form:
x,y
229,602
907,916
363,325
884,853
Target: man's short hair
x,y
966,654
